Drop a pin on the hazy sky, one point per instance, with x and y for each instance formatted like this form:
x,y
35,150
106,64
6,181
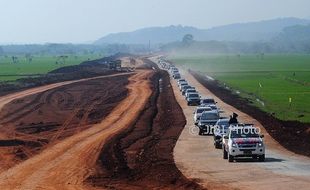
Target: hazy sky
x,y
40,21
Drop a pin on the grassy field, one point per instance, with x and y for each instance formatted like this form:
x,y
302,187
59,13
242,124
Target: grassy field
x,y
10,71
272,79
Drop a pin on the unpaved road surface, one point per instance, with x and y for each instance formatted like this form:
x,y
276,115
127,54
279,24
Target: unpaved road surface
x,y
8,98
141,157
32,122
197,158
68,163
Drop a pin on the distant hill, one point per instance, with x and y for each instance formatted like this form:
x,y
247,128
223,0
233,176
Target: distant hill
x,y
155,34
297,33
243,32
293,38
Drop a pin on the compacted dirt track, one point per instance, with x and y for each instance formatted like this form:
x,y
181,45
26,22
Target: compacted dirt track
x,y
68,163
141,157
8,98
108,141
31,123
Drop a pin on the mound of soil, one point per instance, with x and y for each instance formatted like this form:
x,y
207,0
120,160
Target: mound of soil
x,y
142,156
104,60
293,135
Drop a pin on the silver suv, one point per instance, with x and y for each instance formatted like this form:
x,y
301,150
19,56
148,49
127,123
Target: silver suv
x,y
207,122
193,99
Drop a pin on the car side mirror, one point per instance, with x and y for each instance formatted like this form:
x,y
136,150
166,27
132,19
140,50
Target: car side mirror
x,y
225,137
262,136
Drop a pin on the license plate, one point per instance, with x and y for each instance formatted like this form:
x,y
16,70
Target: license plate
x,y
247,152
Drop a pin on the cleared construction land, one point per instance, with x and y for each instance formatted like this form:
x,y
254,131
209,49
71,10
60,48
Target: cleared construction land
x,y
104,132
127,130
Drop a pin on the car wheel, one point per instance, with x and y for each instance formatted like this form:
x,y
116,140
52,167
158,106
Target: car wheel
x,y
225,154
261,158
218,145
230,158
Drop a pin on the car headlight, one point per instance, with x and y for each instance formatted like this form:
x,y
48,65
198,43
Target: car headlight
x,y
260,144
234,145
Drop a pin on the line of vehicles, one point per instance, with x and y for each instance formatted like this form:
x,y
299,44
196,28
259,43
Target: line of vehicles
x,y
235,139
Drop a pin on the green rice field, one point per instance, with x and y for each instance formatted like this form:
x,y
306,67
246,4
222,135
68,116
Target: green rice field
x,y
10,71
270,81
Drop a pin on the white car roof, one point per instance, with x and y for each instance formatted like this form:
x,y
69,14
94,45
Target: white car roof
x,y
207,98
204,108
190,89
193,93
211,111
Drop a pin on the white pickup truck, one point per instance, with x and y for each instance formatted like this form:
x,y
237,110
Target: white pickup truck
x,y
243,140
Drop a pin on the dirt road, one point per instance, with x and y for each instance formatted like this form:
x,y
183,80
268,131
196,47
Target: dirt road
x,y
141,157
42,116
8,98
67,164
197,158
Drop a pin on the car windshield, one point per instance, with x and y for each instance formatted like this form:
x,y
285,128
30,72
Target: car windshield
x,y
213,107
193,95
209,116
244,133
223,125
208,101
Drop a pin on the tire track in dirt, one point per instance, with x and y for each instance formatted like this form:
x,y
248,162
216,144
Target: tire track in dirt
x,y
39,100
68,163
33,131
141,156
8,98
